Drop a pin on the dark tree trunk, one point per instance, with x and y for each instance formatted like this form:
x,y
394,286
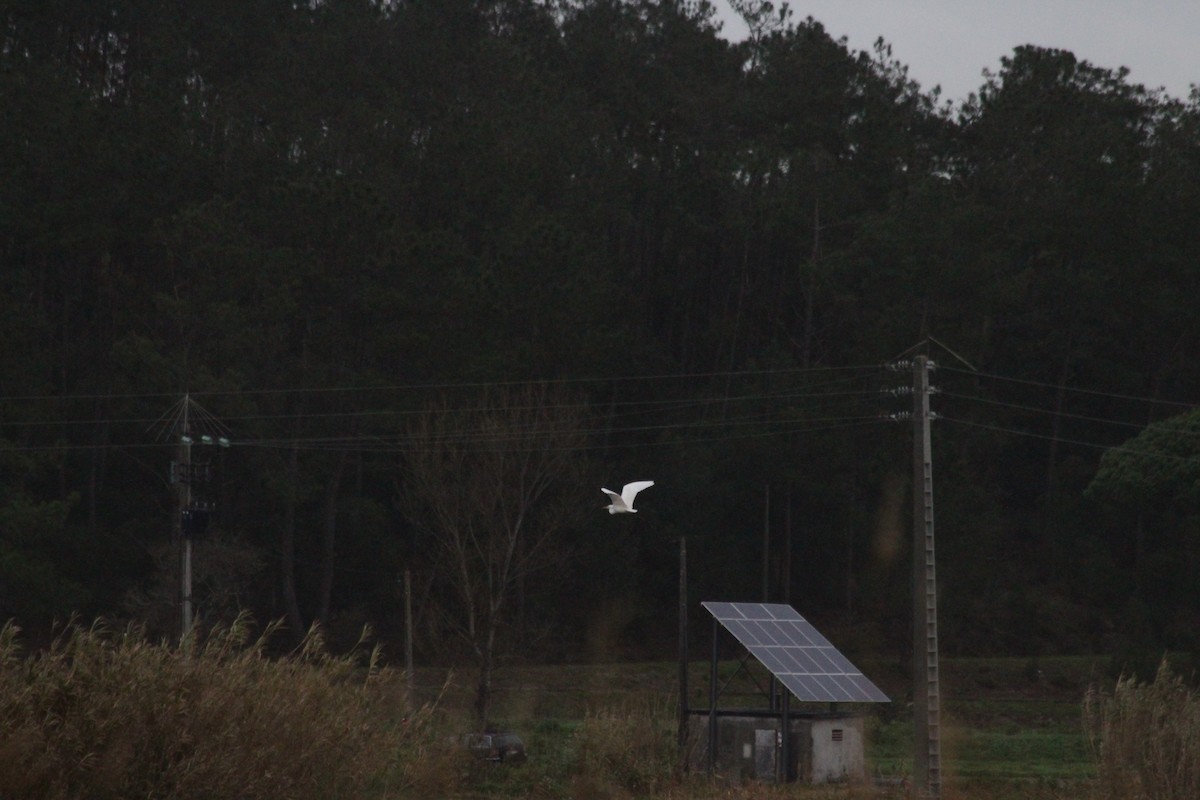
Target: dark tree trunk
x,y
483,691
1056,426
287,551
328,539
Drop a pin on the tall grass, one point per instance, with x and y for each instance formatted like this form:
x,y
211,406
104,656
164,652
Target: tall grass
x,y
1146,739
627,750
106,714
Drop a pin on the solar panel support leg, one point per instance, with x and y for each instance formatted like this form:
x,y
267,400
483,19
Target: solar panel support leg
x,y
712,700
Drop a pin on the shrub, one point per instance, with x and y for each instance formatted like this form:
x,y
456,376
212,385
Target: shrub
x,y
628,750
1146,738
105,714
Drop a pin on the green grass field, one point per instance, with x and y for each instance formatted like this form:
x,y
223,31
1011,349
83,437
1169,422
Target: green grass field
x,y
1010,727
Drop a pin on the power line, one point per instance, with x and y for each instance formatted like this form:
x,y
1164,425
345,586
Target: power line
x,y
1038,410
447,384
640,409
378,444
633,406
1056,387
397,441
611,411
1078,442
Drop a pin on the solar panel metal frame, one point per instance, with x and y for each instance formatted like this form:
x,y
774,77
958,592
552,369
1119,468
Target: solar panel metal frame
x,y
796,653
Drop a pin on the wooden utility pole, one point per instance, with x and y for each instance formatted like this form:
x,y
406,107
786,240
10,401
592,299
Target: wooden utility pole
x,y
683,654
185,540
927,772
408,642
787,549
766,545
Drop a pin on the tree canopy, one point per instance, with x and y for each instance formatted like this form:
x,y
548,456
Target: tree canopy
x,y
324,219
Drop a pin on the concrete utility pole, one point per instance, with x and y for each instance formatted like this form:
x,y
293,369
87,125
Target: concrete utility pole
x,y
927,770
181,424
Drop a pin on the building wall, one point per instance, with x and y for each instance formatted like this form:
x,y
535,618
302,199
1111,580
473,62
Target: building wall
x,y
825,748
837,749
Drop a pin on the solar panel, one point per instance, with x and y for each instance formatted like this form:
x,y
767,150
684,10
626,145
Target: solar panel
x,y
796,653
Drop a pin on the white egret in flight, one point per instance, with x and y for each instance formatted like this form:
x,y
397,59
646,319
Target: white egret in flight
x,y
623,503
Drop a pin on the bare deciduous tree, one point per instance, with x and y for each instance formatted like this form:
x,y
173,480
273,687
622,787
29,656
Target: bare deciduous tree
x,y
494,485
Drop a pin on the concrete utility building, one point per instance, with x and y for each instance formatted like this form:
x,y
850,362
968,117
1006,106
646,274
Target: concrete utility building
x,y
824,747
778,743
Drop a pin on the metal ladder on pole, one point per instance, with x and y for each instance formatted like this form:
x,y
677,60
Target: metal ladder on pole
x,y
933,689
927,763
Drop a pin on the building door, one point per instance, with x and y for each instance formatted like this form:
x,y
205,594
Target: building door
x,y
764,754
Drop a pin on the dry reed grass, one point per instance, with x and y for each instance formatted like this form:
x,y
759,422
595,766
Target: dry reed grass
x,y
106,714
1146,739
625,751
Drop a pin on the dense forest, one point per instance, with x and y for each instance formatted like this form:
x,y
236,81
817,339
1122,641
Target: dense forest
x,y
436,271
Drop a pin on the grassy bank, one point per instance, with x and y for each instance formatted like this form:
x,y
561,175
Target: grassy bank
x,y
106,714
1011,727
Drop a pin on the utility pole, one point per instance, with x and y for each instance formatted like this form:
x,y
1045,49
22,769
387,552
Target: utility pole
x,y
927,771
766,545
787,548
682,735
766,570
408,642
185,540
182,424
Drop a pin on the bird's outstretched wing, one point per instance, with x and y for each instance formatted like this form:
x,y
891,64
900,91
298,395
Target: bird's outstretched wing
x,y
618,504
631,490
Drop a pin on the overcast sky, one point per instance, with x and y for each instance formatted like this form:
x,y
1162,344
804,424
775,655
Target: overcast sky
x,y
950,42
